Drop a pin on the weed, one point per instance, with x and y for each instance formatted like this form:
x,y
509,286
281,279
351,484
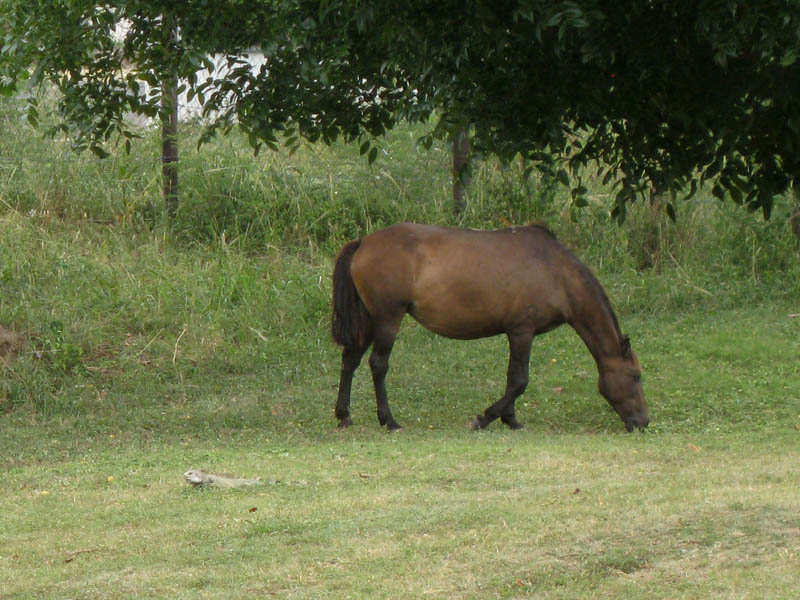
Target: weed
x,y
63,356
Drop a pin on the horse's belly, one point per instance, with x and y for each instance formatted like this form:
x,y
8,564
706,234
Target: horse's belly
x,y
466,322
456,324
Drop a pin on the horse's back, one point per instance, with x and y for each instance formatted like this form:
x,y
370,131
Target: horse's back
x,y
463,283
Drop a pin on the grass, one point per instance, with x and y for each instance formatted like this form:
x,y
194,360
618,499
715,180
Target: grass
x,y
704,504
132,352
444,514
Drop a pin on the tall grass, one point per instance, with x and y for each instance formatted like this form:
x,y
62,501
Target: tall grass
x,y
321,196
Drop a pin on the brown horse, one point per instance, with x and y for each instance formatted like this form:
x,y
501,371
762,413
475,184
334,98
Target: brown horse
x,y
469,284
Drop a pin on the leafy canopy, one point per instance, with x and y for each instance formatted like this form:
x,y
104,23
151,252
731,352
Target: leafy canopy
x,y
660,94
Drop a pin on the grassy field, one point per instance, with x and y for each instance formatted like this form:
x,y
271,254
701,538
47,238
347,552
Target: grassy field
x,y
704,504
132,353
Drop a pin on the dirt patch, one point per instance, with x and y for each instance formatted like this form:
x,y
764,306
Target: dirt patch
x,y
11,344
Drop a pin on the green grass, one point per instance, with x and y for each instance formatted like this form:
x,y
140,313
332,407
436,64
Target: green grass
x,y
443,514
140,351
703,504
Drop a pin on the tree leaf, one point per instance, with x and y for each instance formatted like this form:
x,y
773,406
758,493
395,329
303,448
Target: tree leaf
x,y
99,151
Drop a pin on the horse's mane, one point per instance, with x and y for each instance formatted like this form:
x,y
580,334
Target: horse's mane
x,y
543,228
595,286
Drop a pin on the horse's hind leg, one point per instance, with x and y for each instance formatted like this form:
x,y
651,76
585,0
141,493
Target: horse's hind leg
x,y
379,363
351,358
516,382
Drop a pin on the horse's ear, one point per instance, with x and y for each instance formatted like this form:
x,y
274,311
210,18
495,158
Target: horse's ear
x,y
625,346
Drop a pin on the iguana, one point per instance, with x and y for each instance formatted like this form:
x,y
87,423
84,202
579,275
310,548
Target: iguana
x,y
198,477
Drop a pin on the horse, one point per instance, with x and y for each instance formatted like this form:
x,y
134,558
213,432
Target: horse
x,y
468,284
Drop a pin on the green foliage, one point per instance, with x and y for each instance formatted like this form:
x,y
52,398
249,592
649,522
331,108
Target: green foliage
x,y
660,95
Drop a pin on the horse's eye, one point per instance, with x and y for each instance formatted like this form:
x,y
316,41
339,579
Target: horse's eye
x,y
637,377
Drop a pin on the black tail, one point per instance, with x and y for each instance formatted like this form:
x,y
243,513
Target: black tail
x,y
351,324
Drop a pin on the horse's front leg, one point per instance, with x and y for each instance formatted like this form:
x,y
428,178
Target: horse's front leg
x,y
516,382
379,363
351,358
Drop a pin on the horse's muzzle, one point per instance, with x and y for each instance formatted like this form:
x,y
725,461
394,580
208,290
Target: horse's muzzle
x,y
638,422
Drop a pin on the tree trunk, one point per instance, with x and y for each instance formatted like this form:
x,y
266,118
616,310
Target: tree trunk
x,y
794,220
461,178
169,131
169,149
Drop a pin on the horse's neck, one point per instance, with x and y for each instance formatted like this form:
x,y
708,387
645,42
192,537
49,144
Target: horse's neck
x,y
595,324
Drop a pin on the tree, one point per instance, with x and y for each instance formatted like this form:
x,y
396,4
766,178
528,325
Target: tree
x,y
168,114
662,95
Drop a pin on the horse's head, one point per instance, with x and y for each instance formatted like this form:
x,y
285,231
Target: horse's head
x,y
621,384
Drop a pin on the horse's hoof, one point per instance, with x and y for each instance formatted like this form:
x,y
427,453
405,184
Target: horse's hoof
x,y
513,424
345,423
393,427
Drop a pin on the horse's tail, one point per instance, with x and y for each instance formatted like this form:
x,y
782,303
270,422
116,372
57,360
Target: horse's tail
x,y
350,323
